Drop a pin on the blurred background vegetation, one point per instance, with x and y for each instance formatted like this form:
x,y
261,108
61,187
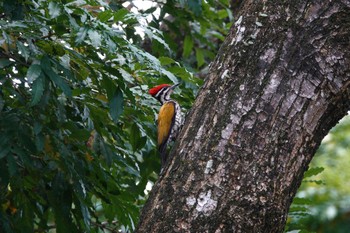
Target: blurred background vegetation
x,y
322,203
77,126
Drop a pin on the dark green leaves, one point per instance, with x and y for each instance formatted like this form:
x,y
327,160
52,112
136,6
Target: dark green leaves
x,y
116,105
4,146
37,89
33,72
195,6
13,9
55,78
4,63
23,50
136,139
77,127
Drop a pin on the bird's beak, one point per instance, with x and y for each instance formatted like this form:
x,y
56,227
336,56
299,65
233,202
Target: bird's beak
x,y
174,86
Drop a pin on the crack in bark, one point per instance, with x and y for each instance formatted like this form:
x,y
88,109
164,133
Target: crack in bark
x,y
257,121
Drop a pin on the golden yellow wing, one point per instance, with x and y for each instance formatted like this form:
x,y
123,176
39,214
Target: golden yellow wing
x,y
165,122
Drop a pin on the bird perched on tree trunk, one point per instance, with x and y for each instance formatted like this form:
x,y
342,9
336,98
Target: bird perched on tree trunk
x,y
169,118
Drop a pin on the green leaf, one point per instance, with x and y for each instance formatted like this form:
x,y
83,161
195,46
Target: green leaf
x,y
13,9
39,142
313,172
199,57
4,151
23,49
170,75
301,201
55,78
109,86
27,223
86,216
4,174
107,152
79,134
54,9
81,35
17,24
12,165
2,104
222,13
188,45
152,34
195,6
116,106
225,2
135,137
5,145
26,140
180,72
166,61
37,90
60,198
33,72
300,208
104,16
95,38
4,63
120,14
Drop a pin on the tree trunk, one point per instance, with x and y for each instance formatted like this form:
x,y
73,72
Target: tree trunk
x,y
279,83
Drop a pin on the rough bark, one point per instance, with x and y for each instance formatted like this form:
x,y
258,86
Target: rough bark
x,y
280,82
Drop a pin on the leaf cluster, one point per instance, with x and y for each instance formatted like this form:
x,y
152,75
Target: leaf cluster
x,y
77,126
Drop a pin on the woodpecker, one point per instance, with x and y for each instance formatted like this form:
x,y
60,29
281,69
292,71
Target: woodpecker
x,y
169,118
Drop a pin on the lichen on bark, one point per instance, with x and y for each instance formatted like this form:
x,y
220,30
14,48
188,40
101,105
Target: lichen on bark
x,y
279,83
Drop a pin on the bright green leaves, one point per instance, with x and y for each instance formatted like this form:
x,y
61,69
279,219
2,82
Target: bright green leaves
x,y
120,15
200,57
188,46
104,16
313,172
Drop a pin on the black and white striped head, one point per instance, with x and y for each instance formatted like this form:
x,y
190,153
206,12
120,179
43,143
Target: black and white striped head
x,y
162,92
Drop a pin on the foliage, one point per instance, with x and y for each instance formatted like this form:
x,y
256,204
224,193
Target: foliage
x,y
326,207
77,128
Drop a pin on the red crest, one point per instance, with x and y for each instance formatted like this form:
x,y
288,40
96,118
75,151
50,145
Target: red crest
x,y
153,91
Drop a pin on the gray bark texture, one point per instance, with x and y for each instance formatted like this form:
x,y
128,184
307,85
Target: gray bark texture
x,y
280,82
